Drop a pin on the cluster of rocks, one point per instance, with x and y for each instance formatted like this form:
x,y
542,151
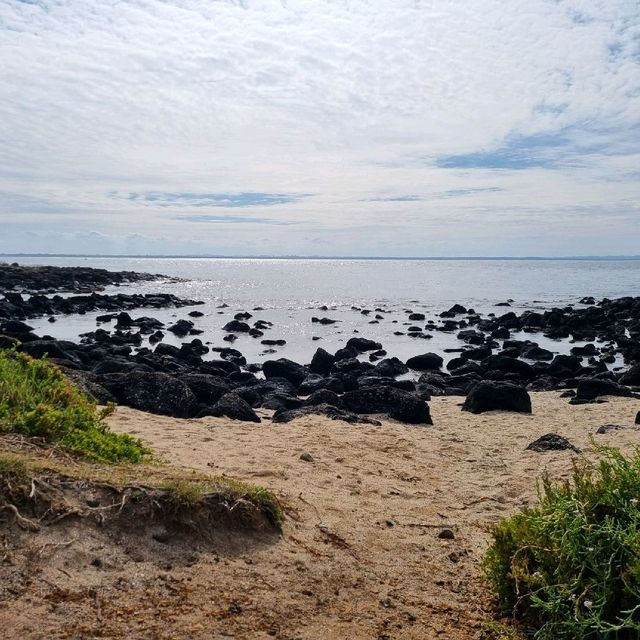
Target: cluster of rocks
x,y
28,279
16,306
493,370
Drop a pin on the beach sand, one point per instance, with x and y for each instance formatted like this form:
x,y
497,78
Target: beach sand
x,y
359,556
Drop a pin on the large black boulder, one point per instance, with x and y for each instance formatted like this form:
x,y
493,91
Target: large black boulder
x,y
324,396
425,362
505,364
400,405
158,393
497,396
363,344
284,368
632,376
591,388
322,361
58,349
207,389
391,367
233,406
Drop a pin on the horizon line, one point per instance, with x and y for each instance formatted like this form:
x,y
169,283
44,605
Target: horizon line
x,y
311,257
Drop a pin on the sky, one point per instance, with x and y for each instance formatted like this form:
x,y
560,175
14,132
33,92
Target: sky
x,y
320,127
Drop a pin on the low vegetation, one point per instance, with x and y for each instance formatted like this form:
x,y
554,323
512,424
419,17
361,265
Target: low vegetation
x,y
570,568
167,490
37,400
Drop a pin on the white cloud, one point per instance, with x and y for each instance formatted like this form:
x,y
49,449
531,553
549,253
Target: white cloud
x,y
342,101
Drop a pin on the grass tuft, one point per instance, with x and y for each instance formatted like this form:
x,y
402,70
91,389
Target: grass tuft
x,y
570,568
37,400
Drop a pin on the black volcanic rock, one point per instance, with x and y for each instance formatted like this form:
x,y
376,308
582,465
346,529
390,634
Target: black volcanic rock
x,y
497,396
322,362
327,410
425,362
284,368
231,405
552,442
237,326
508,365
363,344
158,393
207,389
398,404
591,388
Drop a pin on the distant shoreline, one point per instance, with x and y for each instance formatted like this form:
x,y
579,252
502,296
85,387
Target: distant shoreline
x,y
355,258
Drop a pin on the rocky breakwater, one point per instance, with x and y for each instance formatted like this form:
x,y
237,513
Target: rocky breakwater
x,y
30,292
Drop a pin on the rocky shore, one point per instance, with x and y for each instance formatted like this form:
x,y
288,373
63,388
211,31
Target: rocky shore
x,y
125,359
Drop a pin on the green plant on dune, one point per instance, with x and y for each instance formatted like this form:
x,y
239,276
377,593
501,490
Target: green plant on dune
x,y
569,569
37,400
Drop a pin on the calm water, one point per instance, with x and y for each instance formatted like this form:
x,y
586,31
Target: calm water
x,y
290,292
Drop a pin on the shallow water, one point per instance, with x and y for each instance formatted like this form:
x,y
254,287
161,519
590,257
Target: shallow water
x,y
291,290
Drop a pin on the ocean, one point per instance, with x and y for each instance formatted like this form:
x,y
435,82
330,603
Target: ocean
x,y
290,292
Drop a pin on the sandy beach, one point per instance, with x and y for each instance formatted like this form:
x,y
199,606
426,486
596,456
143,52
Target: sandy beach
x,y
360,554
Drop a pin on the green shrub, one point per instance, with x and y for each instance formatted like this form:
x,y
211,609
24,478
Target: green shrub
x,y
570,568
37,400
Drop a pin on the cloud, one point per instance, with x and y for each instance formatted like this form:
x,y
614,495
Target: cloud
x,y
234,220
231,200
394,120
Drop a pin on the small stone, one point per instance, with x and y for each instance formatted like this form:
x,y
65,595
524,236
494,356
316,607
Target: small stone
x,y
605,428
235,608
447,534
307,457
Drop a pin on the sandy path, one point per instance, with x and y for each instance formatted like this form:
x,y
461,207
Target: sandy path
x,y
360,555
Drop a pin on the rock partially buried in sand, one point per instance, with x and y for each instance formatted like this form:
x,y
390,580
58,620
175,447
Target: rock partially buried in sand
x,y
591,388
398,404
231,405
552,442
323,410
497,396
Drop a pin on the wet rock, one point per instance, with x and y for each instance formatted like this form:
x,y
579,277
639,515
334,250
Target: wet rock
x,y
181,328
284,368
361,345
323,320
322,362
552,442
497,396
237,326
425,362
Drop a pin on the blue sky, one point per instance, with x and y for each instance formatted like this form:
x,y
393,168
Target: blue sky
x,y
380,127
